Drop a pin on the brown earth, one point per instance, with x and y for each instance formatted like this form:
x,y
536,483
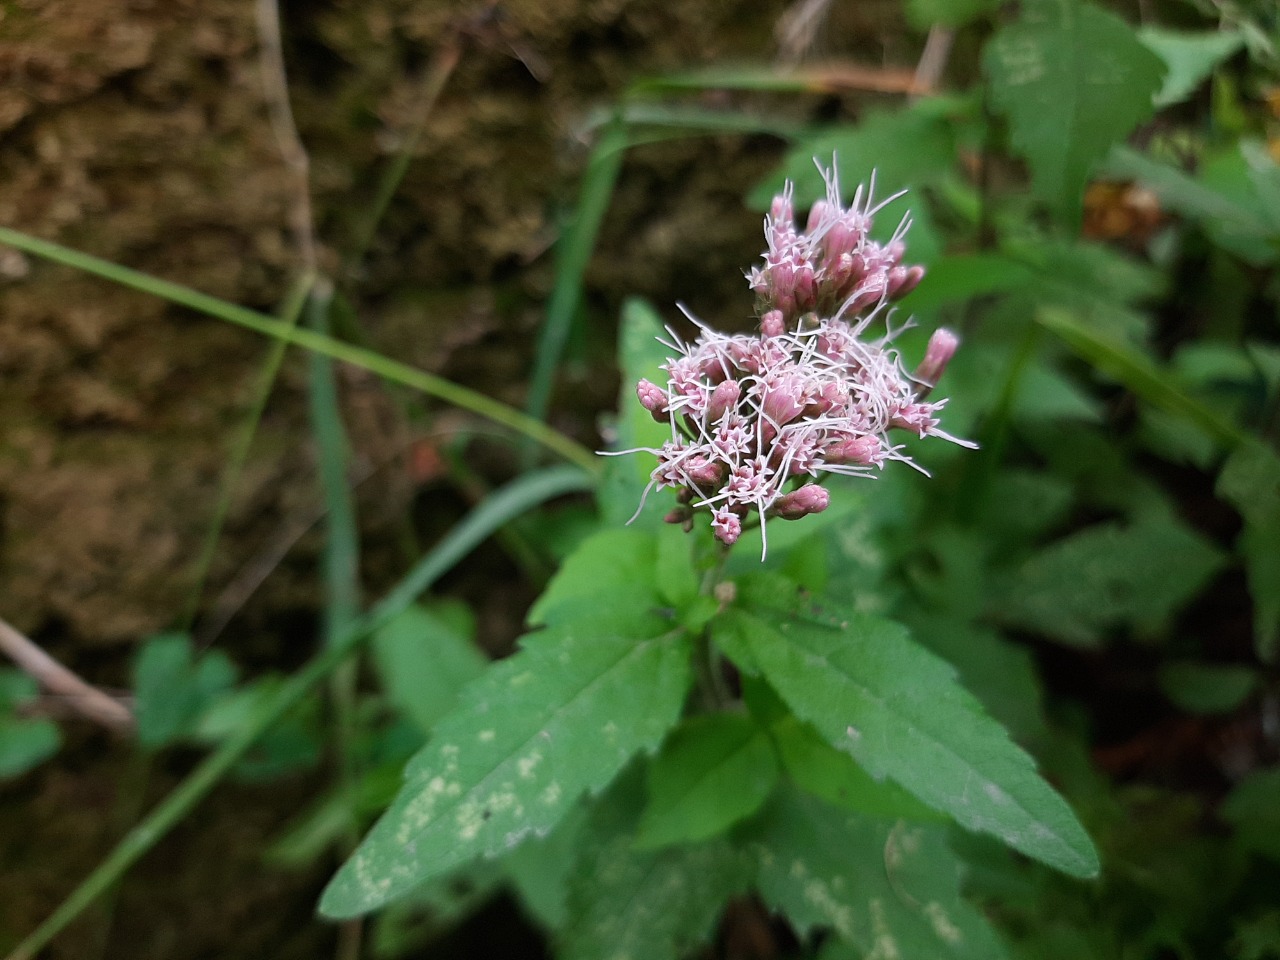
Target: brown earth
x,y
137,130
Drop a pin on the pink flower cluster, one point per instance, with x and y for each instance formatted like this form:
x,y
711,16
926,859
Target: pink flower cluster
x,y
754,417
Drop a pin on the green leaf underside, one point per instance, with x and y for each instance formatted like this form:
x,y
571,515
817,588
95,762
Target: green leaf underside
x,y
629,904
899,711
560,717
712,772
1072,79
886,890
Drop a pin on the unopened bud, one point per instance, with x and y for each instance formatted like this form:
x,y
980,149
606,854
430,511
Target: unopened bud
x,y
902,280
727,526
810,498
653,398
942,347
864,451
773,324
723,398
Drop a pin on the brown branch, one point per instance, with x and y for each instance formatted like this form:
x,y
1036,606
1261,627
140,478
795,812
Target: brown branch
x,y
88,701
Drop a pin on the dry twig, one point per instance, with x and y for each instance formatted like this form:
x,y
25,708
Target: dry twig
x,y
88,701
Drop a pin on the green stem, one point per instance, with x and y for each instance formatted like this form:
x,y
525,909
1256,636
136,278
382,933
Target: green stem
x,y
512,500
708,670
385,367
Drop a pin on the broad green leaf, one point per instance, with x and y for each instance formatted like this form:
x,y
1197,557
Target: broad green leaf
x,y
1207,687
1250,480
625,476
609,562
1001,674
1072,80
645,905
712,772
1253,808
25,744
820,769
173,687
423,661
1107,575
1189,57
884,890
898,710
528,738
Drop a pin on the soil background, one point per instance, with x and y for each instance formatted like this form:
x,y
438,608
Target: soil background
x,y
138,131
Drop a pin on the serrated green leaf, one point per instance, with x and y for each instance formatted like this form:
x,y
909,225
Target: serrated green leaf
x,y
898,710
25,744
423,661
820,769
531,735
1072,80
1250,480
625,476
1107,575
1207,687
172,686
613,561
1188,57
630,904
712,772
884,890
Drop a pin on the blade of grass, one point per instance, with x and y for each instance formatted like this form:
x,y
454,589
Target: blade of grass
x,y
341,576
1139,374
289,314
385,367
512,500
573,252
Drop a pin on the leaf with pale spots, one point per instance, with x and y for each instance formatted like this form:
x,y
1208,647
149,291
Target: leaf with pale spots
x,y
630,904
1072,79
883,889
898,710
527,739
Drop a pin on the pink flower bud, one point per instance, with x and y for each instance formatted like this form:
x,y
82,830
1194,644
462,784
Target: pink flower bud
x,y
942,347
783,400
723,399
864,451
902,280
870,291
653,398
773,324
726,525
810,498
817,213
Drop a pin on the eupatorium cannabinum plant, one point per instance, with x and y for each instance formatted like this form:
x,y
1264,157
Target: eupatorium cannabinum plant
x,y
678,728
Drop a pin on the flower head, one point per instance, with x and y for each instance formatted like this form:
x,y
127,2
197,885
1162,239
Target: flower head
x,y
755,418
